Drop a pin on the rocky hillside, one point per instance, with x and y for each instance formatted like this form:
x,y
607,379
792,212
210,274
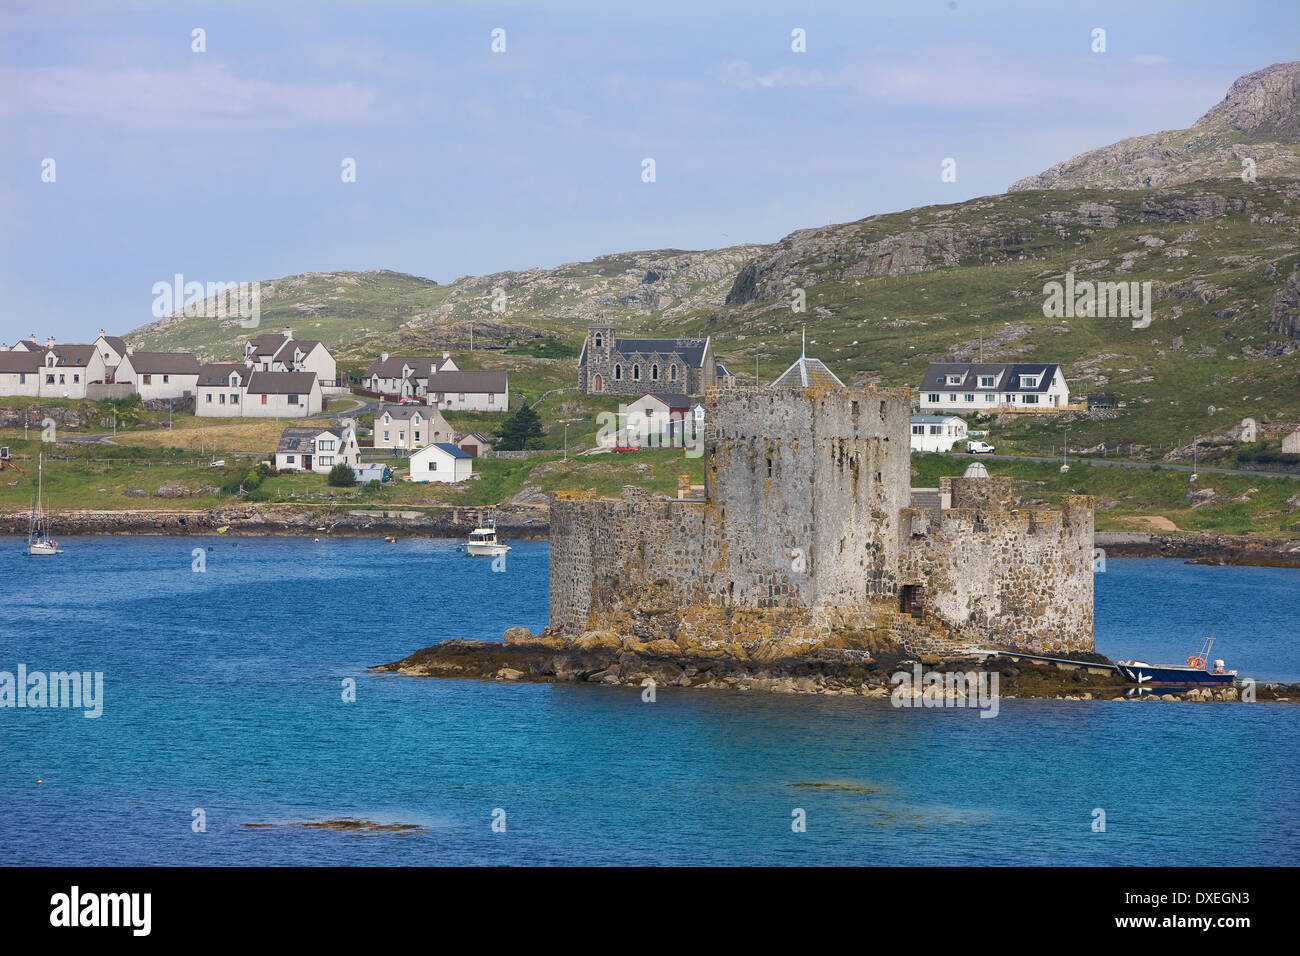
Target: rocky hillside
x,y
888,294
1259,120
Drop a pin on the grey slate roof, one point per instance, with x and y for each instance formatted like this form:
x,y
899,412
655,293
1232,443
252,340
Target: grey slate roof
x,y
164,363
218,373
691,351
935,379
424,366
671,399
468,382
20,361
281,383
403,413
72,356
298,439
807,372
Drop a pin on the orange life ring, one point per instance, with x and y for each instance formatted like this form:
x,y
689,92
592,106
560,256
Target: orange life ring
x,y
1197,662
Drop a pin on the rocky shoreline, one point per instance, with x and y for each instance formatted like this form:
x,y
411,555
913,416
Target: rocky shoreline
x,y
438,522
1202,548
525,658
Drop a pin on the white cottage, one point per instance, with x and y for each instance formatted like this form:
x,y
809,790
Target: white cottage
x,y
219,392
441,461
988,387
159,374
937,432
281,352
410,426
282,395
317,449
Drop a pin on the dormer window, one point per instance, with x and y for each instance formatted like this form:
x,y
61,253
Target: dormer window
x,y
987,381
954,379
1029,381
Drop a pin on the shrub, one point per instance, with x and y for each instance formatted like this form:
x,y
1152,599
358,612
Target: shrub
x,y
342,476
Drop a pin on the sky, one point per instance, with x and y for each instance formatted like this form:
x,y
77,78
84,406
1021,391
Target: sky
x,y
228,164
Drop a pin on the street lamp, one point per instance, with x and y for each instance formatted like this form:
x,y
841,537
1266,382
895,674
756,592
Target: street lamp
x,y
566,422
1065,452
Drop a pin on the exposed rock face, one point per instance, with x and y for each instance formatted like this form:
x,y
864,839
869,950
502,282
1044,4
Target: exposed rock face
x,y
1259,119
1284,317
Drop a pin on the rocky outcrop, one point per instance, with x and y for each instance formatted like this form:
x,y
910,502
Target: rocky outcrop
x,y
448,522
1258,120
1203,548
1284,313
609,662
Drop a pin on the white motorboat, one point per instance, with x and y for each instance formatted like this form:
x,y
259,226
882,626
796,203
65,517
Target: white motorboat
x,y
39,542
483,542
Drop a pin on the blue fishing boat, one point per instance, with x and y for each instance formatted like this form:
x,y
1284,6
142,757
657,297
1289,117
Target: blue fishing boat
x,y
1191,674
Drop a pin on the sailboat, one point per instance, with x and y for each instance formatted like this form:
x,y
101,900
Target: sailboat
x,y
38,538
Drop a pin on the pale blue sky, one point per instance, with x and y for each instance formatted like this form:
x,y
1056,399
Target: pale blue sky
x,y
225,165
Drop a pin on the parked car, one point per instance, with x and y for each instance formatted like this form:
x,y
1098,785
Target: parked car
x,y
979,448
409,401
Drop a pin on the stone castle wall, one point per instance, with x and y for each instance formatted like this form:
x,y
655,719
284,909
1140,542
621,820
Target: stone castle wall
x,y
1001,575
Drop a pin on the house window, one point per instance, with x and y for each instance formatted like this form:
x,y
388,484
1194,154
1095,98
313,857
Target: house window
x,y
986,381
952,396
209,398
1031,399
264,399
989,397
22,378
148,379
223,400
288,459
936,429
166,379
234,398
433,465
492,398
401,436
417,436
932,398
970,398
1029,381
62,379
462,396
49,380
76,378
954,379
293,399
918,429
326,445
385,435
325,459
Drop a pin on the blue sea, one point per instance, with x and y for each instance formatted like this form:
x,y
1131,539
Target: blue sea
x,y
224,706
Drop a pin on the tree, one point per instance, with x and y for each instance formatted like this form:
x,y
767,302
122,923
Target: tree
x,y
514,433
342,476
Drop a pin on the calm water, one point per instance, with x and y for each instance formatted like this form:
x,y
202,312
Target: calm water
x,y
223,692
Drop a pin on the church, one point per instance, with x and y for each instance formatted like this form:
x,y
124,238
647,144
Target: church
x,y
619,366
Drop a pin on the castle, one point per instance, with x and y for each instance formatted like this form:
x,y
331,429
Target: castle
x,y
806,537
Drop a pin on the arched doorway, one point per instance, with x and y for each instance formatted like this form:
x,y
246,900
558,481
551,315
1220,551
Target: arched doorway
x,y
598,384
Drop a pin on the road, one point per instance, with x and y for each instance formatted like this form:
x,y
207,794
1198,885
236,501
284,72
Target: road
x,y
1120,463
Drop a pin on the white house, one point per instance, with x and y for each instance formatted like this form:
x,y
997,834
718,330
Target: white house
x,y
219,392
937,432
112,349
282,395
317,449
978,387
470,391
658,413
441,461
410,426
20,372
281,352
159,374
406,376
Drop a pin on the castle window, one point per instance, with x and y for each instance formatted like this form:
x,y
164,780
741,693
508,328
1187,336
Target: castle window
x,y
769,468
654,372
618,373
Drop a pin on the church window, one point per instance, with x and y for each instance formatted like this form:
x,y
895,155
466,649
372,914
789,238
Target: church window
x,y
618,373
598,340
636,373
672,373
654,372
